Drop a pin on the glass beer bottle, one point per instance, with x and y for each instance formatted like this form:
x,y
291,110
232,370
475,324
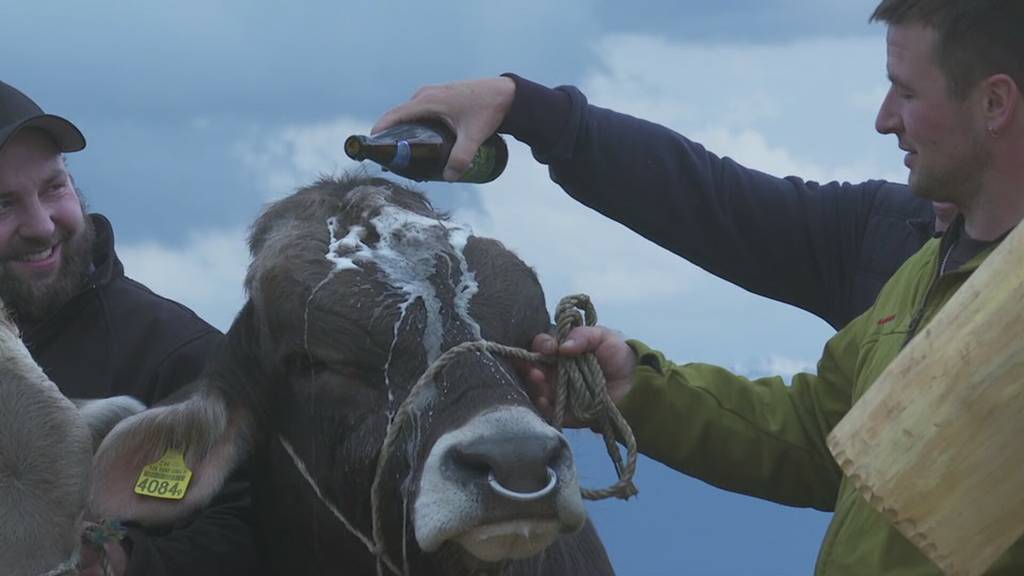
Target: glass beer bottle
x,y
419,151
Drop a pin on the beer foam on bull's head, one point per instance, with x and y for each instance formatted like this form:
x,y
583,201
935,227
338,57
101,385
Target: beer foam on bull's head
x,y
467,286
406,257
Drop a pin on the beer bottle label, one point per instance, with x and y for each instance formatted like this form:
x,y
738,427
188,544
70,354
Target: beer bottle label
x,y
403,154
482,165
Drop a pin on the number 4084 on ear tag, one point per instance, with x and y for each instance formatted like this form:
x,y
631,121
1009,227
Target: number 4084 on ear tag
x,y
166,478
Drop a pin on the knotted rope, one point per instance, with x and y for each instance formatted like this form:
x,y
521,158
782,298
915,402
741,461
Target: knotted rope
x,y
97,535
581,388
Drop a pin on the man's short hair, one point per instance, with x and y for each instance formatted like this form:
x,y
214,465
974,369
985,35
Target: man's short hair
x,y
976,38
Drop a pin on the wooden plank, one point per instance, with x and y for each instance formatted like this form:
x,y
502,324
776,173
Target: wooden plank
x,y
937,443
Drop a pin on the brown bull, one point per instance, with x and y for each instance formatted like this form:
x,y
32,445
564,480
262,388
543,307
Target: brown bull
x,y
356,287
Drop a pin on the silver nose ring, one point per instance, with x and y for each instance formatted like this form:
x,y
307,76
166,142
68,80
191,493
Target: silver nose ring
x,y
523,496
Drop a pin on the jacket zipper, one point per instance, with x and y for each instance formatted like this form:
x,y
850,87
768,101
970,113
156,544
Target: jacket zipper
x,y
919,314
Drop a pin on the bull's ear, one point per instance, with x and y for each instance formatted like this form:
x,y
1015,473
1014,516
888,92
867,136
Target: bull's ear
x,y
103,414
211,434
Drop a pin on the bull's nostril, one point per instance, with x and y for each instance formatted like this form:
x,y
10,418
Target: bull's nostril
x,y
473,464
519,464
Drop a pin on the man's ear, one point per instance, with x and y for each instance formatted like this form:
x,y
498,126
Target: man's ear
x,y
1000,101
212,436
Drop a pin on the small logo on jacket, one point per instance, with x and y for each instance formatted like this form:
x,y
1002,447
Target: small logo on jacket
x,y
886,320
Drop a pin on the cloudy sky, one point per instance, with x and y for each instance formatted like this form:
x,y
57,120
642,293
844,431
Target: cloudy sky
x,y
199,112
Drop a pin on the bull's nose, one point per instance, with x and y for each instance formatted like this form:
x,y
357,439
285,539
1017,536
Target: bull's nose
x,y
522,465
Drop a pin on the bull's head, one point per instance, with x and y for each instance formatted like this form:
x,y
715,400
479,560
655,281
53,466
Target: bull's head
x,y
356,287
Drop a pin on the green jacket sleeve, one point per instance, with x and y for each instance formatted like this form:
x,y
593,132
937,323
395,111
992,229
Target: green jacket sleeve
x,y
757,437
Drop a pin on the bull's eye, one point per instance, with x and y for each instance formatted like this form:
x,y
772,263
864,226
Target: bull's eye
x,y
303,366
348,372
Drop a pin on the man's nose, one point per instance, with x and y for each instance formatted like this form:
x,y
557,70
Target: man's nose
x,y
887,120
36,222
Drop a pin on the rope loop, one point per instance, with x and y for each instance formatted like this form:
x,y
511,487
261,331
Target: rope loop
x,y
583,391
99,535
96,535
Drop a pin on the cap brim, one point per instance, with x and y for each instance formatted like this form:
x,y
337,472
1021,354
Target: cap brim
x,y
65,135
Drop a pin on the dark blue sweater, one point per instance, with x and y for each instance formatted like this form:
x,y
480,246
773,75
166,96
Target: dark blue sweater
x,y
825,248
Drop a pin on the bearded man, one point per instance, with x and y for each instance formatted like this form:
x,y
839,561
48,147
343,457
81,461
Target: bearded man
x,y
97,333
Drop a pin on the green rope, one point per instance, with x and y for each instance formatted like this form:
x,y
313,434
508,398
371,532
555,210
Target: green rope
x,y
97,535
104,532
101,534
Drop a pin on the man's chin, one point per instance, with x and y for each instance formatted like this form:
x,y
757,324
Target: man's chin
x,y
33,300
33,291
924,187
38,273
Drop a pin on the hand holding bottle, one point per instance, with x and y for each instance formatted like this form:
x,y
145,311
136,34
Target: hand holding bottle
x,y
473,110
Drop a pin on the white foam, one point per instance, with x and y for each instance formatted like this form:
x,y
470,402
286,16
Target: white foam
x,y
406,256
468,286
352,242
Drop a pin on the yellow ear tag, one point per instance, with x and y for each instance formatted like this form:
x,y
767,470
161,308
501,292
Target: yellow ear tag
x,y
166,478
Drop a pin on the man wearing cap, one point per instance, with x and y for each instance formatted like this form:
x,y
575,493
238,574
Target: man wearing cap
x,y
97,333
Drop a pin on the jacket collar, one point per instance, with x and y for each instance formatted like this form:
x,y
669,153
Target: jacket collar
x,y
924,228
106,267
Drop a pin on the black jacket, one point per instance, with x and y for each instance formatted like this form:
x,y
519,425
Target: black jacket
x,y
117,337
825,248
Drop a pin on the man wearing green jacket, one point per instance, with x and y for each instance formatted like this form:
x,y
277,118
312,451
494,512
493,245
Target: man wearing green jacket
x,y
955,105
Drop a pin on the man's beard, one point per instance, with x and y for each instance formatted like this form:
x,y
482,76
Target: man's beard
x,y
31,302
